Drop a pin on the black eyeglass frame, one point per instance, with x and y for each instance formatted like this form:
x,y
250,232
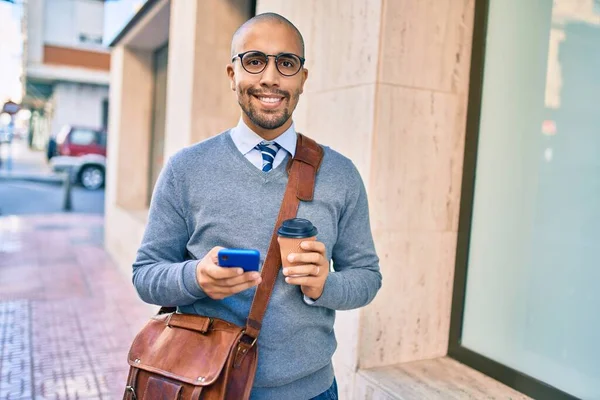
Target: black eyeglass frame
x,y
275,56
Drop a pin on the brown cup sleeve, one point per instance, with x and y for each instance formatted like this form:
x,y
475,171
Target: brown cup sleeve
x,y
291,245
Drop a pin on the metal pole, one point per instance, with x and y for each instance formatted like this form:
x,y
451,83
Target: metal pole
x,y
9,160
67,197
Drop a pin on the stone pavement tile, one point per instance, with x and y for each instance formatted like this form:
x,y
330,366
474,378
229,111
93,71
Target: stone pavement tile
x,y
14,259
111,361
112,382
15,354
49,388
63,278
66,326
18,279
83,384
16,391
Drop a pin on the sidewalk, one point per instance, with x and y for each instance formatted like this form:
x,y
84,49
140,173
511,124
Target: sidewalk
x,y
67,313
26,164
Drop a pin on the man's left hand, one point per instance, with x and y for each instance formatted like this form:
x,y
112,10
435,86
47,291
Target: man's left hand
x,y
312,266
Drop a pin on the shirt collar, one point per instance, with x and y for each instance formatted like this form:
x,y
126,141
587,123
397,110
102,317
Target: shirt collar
x,y
246,139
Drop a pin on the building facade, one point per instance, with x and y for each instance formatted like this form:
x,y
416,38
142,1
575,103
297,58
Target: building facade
x,y
66,67
471,123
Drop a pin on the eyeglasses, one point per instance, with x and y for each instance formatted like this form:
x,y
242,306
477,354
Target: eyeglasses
x,y
255,62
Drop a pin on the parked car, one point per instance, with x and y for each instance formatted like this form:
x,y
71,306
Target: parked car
x,y
88,170
77,141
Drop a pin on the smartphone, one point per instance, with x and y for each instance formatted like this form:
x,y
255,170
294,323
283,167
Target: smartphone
x,y
246,259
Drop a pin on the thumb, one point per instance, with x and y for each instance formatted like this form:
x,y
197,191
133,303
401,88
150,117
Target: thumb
x,y
214,253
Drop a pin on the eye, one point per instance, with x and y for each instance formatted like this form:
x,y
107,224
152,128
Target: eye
x,y
288,62
254,61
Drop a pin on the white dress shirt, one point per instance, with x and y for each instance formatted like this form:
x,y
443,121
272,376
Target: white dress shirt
x,y
245,139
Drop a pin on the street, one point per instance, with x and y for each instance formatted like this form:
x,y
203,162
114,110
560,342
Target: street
x,y
30,187
19,197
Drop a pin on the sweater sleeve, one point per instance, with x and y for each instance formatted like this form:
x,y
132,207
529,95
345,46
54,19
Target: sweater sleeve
x,y
356,278
162,272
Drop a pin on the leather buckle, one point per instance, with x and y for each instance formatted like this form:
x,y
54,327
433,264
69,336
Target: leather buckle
x,y
245,343
250,342
132,390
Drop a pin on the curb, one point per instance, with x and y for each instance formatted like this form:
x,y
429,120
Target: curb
x,y
32,178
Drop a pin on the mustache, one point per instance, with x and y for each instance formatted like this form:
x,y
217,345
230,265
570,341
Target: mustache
x,y
278,92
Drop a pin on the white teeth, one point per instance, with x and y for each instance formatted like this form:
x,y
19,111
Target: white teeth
x,y
269,99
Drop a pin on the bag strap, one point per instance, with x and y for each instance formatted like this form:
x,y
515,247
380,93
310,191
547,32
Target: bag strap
x,y
301,182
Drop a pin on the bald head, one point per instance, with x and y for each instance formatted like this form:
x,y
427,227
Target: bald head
x,y
265,18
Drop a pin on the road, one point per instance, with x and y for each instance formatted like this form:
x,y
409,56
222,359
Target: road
x,y
24,197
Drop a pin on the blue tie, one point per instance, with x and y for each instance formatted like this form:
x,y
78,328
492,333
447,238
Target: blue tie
x,y
268,150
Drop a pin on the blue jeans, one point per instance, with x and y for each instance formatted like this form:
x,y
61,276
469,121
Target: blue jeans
x,y
329,394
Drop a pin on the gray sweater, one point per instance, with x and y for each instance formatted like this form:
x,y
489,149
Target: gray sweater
x,y
209,195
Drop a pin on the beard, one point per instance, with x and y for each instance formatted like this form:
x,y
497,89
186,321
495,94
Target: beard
x,y
267,119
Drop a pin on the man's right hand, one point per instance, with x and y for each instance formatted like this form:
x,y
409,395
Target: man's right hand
x,y
220,282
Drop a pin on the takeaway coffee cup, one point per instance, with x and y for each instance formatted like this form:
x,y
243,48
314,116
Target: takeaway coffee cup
x,y
290,234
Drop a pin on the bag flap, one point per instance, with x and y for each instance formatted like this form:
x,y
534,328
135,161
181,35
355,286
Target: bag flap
x,y
180,351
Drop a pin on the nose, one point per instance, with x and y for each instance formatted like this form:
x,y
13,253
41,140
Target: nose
x,y
270,76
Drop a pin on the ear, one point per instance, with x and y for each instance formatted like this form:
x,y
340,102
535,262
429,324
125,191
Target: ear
x,y
231,75
304,78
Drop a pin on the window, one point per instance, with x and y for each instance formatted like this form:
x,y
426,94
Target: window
x,y
157,144
85,38
102,139
104,112
83,137
528,268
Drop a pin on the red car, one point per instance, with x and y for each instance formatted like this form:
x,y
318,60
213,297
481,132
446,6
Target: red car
x,y
77,141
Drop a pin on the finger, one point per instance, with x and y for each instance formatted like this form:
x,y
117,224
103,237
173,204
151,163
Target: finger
x,y
229,282
313,245
310,269
305,258
243,286
310,281
216,272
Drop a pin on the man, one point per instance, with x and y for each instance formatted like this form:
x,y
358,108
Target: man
x,y
225,192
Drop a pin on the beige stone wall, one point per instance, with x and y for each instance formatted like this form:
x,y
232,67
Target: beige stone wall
x,y
415,176
387,87
200,102
131,90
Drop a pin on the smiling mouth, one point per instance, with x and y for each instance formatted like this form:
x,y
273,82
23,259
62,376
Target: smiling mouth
x,y
269,101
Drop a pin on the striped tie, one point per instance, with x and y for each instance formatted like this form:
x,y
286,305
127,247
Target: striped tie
x,y
268,150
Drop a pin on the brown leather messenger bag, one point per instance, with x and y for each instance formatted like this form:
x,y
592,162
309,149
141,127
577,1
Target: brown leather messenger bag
x,y
183,356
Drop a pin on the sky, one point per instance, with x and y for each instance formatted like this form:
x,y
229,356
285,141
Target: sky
x,y
116,16
10,52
